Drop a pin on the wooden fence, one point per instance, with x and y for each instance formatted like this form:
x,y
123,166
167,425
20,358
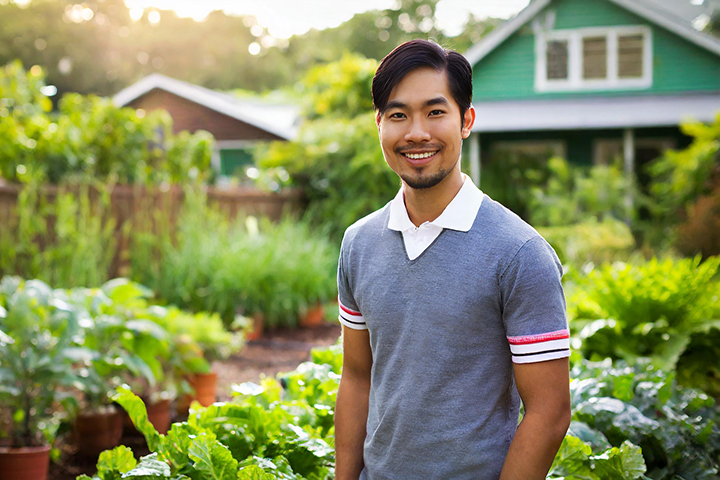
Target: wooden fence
x,y
133,206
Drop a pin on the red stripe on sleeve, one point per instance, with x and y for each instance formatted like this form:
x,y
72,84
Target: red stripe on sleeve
x,y
348,311
542,337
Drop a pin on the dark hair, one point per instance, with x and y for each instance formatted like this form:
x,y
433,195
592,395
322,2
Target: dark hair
x,y
422,53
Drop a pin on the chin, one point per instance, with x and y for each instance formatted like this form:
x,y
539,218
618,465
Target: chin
x,y
422,182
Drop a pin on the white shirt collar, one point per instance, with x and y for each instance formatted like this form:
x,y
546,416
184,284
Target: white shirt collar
x,y
458,215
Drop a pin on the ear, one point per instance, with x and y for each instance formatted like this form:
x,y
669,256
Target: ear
x,y
378,119
469,118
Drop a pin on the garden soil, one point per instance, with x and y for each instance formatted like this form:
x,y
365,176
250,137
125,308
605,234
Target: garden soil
x,y
278,351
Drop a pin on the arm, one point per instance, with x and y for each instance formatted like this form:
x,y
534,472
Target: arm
x,y
351,407
545,391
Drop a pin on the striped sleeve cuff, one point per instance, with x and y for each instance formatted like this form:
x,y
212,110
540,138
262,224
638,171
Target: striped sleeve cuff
x,y
351,318
541,347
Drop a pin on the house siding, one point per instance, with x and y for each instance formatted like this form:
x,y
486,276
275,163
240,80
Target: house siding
x,y
678,65
191,116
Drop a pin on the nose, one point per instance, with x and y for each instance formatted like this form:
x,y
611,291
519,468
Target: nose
x,y
418,131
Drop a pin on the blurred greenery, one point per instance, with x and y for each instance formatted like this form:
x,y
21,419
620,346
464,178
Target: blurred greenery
x,y
89,138
244,267
336,158
108,51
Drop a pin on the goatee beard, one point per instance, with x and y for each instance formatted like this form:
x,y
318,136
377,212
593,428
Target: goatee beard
x,y
423,182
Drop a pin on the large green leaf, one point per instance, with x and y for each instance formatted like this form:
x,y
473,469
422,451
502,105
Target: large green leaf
x,y
113,463
150,468
253,472
137,412
624,463
212,459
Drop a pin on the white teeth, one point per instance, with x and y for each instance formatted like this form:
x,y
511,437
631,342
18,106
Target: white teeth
x,y
418,156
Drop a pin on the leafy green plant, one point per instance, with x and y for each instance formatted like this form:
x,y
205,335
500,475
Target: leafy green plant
x,y
67,242
36,358
590,241
575,194
251,267
677,428
651,309
90,138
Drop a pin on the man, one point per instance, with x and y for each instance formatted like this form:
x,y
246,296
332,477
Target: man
x,y
451,305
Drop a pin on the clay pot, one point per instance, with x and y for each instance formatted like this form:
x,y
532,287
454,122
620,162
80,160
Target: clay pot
x,y
257,330
159,414
313,317
98,431
204,385
26,463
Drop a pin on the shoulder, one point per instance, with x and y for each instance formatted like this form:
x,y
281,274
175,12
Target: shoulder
x,y
502,226
511,236
366,229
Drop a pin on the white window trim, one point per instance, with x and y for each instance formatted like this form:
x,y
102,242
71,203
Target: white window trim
x,y
575,82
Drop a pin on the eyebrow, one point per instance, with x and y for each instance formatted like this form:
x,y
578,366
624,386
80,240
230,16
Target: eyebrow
x,y
427,103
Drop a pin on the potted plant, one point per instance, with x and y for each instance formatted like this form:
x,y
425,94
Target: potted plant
x,y
98,423
200,339
36,374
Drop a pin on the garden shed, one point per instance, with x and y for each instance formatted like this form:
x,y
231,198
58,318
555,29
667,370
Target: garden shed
x,y
593,81
237,124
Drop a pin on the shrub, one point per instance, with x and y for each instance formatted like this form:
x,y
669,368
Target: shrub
x,y
655,309
251,267
67,242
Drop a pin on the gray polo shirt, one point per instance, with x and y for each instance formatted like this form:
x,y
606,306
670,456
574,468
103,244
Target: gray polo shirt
x,y
444,331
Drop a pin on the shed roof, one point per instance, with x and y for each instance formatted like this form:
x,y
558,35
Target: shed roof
x,y
595,112
280,120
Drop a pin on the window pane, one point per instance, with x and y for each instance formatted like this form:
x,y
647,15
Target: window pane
x,y
630,56
594,57
557,60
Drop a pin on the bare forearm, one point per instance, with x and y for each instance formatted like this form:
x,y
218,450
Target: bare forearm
x,y
351,411
534,447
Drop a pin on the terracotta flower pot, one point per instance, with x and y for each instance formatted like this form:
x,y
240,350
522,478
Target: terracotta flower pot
x,y
257,329
313,317
160,415
98,431
204,385
27,463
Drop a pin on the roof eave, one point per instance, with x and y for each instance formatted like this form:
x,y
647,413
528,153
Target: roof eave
x,y
500,34
192,93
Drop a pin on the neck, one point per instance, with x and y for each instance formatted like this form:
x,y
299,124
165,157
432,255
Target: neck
x,y
425,205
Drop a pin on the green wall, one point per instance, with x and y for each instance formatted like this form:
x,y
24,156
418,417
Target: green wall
x,y
678,65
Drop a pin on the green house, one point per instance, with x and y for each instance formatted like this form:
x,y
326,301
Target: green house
x,y
593,81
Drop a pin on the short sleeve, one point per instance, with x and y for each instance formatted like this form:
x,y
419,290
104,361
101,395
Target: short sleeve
x,y
349,313
534,304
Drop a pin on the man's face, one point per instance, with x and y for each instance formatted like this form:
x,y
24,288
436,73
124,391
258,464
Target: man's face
x,y
420,130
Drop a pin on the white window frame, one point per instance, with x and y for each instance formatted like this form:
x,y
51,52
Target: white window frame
x,y
575,82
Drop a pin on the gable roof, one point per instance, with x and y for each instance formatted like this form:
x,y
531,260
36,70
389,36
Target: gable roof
x,y
659,16
280,120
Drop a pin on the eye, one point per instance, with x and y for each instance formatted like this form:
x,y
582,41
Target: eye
x,y
397,115
437,112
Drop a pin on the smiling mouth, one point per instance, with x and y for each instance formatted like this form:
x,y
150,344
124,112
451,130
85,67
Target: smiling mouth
x,y
419,159
420,156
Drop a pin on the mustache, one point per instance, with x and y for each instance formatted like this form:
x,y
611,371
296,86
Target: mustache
x,y
426,147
